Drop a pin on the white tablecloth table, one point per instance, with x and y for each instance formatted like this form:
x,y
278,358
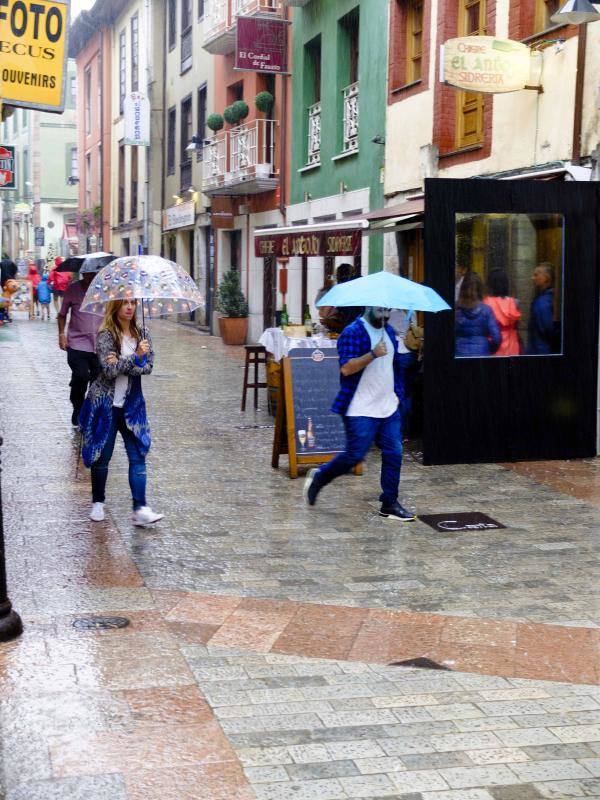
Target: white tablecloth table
x,y
279,345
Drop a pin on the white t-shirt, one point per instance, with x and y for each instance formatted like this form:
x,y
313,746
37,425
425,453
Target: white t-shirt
x,y
128,348
375,395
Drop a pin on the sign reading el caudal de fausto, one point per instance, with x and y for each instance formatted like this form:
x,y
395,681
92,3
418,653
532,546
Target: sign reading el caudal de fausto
x,y
33,51
485,64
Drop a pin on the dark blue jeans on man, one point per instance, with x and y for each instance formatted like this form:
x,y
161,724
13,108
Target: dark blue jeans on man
x,y
361,432
137,462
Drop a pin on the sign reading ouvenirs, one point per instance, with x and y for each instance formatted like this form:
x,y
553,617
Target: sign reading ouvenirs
x,y
33,53
485,64
314,243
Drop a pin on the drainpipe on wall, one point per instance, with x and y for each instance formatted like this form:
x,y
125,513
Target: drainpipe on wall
x,y
284,100
104,244
148,15
162,149
579,85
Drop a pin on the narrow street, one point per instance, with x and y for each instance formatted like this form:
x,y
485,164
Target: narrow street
x,y
259,658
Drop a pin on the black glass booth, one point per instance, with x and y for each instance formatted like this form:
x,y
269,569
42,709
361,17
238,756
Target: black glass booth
x,y
511,372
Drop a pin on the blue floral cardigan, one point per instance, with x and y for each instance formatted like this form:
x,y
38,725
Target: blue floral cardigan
x,y
96,414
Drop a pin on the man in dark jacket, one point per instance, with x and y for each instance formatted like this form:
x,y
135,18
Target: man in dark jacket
x,y
544,332
371,392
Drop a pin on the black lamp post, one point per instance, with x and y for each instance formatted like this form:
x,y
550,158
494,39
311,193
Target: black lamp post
x,y
10,622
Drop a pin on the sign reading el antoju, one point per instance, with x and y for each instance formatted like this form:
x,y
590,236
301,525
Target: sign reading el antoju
x,y
485,64
33,53
317,243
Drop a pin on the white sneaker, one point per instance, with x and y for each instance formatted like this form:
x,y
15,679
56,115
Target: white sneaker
x,y
97,512
145,516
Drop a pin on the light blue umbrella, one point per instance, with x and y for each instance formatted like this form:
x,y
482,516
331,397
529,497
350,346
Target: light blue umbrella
x,y
385,290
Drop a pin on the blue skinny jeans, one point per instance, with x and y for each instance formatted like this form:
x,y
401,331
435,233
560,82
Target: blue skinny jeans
x,y
361,432
137,462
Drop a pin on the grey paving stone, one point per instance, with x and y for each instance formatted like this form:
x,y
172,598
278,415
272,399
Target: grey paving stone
x,y
561,790
99,787
333,769
527,736
467,777
367,786
304,790
555,770
518,792
266,774
578,733
548,751
435,760
419,781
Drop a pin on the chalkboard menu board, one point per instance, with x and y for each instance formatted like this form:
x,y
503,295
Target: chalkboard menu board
x,y
306,428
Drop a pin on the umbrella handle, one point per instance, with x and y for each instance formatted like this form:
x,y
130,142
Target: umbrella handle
x,y
143,319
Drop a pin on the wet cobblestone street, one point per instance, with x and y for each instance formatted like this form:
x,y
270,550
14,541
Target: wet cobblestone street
x,y
256,664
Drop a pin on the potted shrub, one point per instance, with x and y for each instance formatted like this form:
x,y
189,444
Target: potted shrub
x,y
230,115
264,102
240,110
232,305
215,122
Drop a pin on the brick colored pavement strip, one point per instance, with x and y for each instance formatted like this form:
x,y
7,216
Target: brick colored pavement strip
x,y
255,662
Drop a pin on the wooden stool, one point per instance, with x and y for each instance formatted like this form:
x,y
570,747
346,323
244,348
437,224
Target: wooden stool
x,y
255,354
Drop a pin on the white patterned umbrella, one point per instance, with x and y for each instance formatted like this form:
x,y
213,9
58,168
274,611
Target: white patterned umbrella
x,y
162,286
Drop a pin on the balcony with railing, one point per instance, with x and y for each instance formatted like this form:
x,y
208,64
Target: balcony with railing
x,y
350,144
314,135
220,20
242,160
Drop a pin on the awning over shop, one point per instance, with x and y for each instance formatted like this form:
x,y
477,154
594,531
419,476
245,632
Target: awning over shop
x,y
338,237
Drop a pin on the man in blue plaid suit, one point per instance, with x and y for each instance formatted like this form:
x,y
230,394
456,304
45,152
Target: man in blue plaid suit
x,y
370,397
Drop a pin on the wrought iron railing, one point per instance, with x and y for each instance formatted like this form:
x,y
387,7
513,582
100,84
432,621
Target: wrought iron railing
x,y
256,6
350,143
314,134
216,18
246,151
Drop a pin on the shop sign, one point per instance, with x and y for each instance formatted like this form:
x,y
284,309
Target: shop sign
x,y
33,53
39,237
262,45
314,243
136,111
8,178
179,216
485,64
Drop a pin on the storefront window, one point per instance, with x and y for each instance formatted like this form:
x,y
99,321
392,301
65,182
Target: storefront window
x,y
509,285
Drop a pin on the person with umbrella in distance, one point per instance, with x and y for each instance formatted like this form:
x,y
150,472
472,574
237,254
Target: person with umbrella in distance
x,y
371,385
78,337
114,402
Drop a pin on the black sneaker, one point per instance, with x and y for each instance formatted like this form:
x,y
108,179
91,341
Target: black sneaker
x,y
311,490
75,418
396,512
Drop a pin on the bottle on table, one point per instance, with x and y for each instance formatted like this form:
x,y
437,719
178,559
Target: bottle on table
x,y
310,433
285,320
306,318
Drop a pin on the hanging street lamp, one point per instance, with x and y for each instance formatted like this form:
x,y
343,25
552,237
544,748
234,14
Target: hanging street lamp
x,y
575,12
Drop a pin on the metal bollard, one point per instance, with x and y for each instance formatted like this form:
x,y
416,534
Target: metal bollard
x,y
11,625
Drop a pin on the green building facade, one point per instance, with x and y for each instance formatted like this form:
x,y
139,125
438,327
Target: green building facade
x,y
339,84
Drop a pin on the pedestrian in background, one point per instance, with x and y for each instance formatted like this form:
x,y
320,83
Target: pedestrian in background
x,y
58,282
477,332
115,404
507,313
8,271
370,394
544,332
34,276
336,319
44,295
79,340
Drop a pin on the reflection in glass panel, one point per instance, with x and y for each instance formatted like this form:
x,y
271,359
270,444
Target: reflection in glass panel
x,y
509,285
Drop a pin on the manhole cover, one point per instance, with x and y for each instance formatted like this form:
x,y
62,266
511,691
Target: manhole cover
x,y
101,623
421,662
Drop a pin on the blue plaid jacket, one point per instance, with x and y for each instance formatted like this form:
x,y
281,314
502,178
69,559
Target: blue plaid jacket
x,y
353,343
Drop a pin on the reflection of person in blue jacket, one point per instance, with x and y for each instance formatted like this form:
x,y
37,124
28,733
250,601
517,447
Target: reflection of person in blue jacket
x,y
476,329
543,331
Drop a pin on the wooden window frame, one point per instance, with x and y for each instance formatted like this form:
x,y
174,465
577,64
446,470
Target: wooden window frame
x,y
542,21
469,102
135,52
202,106
122,69
171,139
412,55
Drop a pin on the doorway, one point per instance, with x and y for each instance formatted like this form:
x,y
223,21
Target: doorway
x,y
269,292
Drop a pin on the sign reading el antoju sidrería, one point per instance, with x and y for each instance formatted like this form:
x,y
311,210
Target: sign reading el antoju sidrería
x,y
485,64
33,53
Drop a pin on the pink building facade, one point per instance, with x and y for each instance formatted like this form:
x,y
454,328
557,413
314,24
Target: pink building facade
x,y
94,122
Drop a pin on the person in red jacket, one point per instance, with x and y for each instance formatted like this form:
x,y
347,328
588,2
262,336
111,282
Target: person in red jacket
x,y
58,282
34,276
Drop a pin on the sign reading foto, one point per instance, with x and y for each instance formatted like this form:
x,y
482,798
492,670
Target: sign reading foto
x,y
136,111
33,53
262,45
485,64
7,167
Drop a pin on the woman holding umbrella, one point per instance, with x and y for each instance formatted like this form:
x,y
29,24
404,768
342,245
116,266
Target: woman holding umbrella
x,y
115,404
